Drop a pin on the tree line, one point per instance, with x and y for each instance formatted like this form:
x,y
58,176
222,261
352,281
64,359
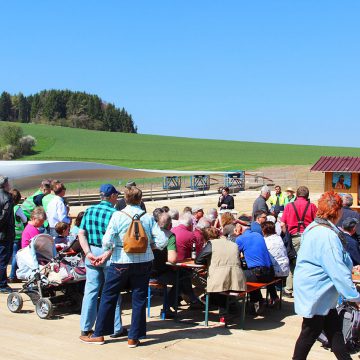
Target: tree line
x,y
65,108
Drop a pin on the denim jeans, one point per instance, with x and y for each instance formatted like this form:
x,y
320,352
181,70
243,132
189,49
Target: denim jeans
x,y
5,255
16,248
95,279
134,276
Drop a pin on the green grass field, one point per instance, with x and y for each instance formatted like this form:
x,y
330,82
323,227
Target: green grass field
x,y
167,152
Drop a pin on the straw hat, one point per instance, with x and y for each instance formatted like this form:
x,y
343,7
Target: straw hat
x,y
289,189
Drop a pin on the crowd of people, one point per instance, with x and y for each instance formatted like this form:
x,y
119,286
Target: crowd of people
x,y
286,236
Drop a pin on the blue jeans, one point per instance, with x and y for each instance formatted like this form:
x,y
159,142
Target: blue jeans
x,y
135,277
5,255
16,248
95,279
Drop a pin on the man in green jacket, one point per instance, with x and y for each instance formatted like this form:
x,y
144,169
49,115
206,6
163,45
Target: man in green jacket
x,y
35,199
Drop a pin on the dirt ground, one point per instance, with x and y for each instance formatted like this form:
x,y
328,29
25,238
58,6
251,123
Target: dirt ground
x,y
26,337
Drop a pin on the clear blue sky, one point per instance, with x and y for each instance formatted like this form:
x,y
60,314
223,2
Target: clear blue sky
x,y
268,70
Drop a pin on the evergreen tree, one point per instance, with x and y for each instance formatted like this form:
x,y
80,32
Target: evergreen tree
x,y
5,106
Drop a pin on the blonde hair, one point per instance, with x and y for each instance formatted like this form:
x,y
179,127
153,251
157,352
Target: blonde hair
x,y
38,213
132,195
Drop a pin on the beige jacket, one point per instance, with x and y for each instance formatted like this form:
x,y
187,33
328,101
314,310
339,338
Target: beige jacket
x,y
225,271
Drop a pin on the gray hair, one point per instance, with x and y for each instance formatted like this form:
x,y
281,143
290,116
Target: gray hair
x,y
164,220
186,219
3,181
265,190
174,214
212,214
347,199
203,223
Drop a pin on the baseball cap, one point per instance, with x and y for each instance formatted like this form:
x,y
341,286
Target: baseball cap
x,y
107,190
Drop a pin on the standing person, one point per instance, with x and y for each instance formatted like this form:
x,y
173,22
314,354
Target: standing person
x,y
7,231
55,207
91,231
126,270
260,202
277,201
323,259
35,199
20,220
290,196
296,217
121,204
226,201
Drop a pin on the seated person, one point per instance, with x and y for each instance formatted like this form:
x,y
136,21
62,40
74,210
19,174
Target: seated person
x,y
259,266
164,274
260,217
75,229
352,245
37,219
278,253
224,269
63,231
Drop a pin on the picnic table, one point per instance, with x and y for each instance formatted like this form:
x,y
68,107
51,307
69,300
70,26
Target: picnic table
x,y
185,264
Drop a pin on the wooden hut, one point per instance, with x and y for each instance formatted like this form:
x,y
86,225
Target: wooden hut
x,y
341,175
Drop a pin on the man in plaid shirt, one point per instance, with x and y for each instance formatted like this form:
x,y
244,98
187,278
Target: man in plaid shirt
x,y
92,229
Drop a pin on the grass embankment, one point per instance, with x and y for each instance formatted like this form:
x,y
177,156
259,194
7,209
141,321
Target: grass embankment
x,y
167,152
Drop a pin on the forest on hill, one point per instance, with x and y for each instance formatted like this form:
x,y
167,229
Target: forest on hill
x,y
65,108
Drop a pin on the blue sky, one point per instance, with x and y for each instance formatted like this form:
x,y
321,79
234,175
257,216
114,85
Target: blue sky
x,y
275,71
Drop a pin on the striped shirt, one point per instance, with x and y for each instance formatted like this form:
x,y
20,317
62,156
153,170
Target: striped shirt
x,y
96,220
119,224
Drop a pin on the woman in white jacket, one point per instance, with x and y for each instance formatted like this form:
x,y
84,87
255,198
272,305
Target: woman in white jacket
x,y
276,248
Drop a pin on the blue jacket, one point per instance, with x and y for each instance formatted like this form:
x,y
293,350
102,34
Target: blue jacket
x,y
322,273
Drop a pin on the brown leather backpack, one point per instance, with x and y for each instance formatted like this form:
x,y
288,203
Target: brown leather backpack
x,y
135,240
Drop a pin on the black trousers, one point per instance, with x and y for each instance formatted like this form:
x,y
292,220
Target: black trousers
x,y
6,249
312,328
252,276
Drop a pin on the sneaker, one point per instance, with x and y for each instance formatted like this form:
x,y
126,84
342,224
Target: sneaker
x,y
122,333
99,340
222,320
6,290
259,307
132,343
87,333
287,295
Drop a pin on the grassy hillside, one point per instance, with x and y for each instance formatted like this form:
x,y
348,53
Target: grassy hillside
x,y
162,152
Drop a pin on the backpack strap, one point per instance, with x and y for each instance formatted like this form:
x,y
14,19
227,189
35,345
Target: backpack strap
x,y
135,217
300,221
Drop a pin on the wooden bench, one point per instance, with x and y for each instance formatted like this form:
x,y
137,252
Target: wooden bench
x,y
243,297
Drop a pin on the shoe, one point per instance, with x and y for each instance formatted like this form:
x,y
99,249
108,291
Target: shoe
x,y
87,333
6,290
287,295
222,320
132,343
99,340
122,333
196,305
274,302
14,280
259,307
169,314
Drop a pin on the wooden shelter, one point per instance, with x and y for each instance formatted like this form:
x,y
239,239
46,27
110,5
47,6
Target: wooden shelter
x,y
342,175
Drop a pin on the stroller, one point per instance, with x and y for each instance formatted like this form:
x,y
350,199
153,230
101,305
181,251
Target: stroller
x,y
51,278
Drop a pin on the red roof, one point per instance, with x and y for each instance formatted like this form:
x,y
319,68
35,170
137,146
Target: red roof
x,y
337,163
